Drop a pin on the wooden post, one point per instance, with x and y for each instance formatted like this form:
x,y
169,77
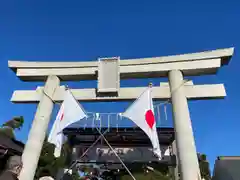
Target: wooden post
x,y
38,130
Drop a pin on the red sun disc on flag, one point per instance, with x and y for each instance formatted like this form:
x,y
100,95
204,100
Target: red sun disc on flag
x,y
61,118
150,119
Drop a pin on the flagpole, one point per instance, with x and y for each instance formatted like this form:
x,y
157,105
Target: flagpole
x,y
150,96
151,105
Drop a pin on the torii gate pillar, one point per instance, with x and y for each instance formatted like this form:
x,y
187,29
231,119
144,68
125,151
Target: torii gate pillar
x,y
38,130
187,157
193,64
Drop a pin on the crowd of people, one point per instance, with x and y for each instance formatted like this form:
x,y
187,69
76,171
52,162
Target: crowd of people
x,y
13,169
14,166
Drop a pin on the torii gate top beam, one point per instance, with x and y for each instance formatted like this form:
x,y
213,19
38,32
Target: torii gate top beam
x,y
206,62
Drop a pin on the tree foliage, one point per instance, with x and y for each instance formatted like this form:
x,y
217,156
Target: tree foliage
x,y
204,166
8,127
15,123
48,164
162,175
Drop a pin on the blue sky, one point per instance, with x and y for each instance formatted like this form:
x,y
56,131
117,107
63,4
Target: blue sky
x,y
84,30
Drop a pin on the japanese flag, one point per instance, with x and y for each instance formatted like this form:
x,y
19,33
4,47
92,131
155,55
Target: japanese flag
x,y
141,112
69,113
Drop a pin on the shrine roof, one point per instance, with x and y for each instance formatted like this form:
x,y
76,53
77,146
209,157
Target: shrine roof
x,y
122,136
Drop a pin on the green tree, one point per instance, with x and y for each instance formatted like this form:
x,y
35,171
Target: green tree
x,y
48,164
10,126
7,129
204,166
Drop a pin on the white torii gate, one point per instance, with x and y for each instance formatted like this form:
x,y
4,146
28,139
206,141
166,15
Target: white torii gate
x,y
173,67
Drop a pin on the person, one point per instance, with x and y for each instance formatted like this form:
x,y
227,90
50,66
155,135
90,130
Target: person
x,y
67,176
13,168
46,178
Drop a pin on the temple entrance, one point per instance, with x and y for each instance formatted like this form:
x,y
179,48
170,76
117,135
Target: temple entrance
x,y
109,72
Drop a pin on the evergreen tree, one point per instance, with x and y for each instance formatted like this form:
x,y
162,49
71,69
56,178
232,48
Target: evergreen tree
x,y
204,166
7,129
48,164
10,126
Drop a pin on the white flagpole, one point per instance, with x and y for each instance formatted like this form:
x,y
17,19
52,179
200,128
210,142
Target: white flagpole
x,y
108,122
93,122
165,112
159,115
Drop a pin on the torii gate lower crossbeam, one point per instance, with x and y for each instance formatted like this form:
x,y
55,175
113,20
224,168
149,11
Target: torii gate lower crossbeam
x,y
207,62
